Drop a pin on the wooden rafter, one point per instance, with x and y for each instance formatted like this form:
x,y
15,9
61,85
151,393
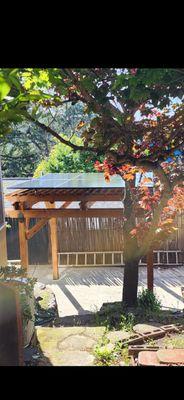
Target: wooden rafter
x,y
66,213
33,197
66,204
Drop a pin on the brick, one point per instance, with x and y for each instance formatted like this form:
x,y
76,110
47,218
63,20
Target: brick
x,y
171,356
148,358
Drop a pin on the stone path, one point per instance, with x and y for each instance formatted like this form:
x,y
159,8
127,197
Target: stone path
x,y
81,291
68,346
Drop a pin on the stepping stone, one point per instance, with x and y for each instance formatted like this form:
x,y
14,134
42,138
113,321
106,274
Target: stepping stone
x,y
68,345
171,356
148,358
76,342
116,336
145,328
76,358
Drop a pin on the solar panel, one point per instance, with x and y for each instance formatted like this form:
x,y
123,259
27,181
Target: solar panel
x,y
70,181
73,181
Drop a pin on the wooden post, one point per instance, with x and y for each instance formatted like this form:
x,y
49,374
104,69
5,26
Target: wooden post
x,y
23,245
54,243
150,270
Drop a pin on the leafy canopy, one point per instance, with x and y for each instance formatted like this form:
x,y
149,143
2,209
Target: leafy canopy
x,y
137,123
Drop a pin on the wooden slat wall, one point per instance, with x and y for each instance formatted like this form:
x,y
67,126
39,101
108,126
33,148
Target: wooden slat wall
x,y
105,234
80,234
90,234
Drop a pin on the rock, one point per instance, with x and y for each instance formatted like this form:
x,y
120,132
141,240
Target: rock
x,y
62,346
171,356
122,364
76,358
76,342
145,328
46,306
148,358
116,336
39,286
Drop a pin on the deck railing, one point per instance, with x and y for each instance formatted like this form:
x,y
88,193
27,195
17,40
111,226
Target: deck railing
x,y
115,258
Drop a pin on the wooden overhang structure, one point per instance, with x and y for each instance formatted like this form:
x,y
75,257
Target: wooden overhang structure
x,y
66,188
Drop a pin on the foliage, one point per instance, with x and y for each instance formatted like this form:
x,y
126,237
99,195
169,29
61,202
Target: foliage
x,y
24,286
136,122
175,342
64,159
125,355
28,146
147,301
23,149
103,355
127,322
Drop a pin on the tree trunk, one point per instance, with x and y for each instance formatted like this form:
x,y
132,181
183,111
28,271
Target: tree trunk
x,y
131,269
150,270
130,284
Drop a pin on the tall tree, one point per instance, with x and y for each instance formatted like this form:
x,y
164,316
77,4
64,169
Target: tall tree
x,y
28,145
137,124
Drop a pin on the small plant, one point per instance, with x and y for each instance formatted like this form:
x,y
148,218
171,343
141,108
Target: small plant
x,y
125,356
151,342
127,322
104,356
147,302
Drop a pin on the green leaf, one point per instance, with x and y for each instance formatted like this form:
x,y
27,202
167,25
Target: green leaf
x,y
13,79
4,88
11,115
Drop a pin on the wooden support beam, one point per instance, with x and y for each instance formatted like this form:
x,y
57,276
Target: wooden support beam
x,y
85,205
54,244
23,245
27,221
65,204
66,213
31,232
33,199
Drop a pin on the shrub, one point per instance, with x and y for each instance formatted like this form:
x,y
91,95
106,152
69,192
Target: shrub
x,y
24,286
148,302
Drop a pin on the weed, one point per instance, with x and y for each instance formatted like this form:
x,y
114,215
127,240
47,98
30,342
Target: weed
x,y
104,355
176,342
125,356
148,303
151,342
127,322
